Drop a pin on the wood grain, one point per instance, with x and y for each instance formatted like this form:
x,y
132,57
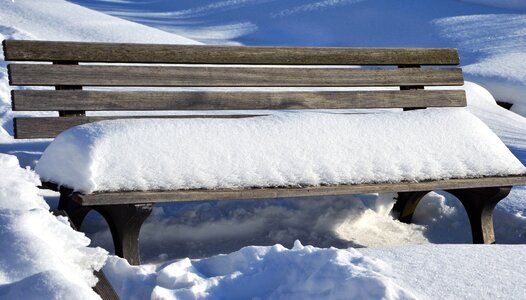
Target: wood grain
x,y
49,127
104,75
35,100
200,54
258,193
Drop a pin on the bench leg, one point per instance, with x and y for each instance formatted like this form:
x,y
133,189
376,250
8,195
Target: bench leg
x,y
125,221
103,287
479,204
75,212
406,204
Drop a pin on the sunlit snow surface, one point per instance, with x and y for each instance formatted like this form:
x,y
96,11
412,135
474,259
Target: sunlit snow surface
x,y
206,229
306,272
283,149
42,257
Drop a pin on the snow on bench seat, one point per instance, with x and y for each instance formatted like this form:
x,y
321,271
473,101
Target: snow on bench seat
x,y
284,149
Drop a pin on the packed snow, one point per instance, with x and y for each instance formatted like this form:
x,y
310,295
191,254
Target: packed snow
x,y
303,272
47,259
42,257
306,272
286,149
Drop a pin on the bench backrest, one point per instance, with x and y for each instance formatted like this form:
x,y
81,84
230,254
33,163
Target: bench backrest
x,y
75,66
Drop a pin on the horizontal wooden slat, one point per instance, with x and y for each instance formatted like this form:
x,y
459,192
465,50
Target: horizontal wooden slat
x,y
258,193
29,100
49,127
103,75
150,53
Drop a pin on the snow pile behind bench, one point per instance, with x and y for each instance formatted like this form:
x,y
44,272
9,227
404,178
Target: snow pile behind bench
x,y
284,149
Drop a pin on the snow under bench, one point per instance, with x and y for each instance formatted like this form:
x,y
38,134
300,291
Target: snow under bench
x,y
120,165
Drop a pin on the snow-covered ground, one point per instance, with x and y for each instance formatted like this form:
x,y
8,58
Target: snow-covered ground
x,y
42,257
48,260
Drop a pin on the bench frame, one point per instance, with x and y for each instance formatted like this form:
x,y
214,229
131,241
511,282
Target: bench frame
x,y
126,211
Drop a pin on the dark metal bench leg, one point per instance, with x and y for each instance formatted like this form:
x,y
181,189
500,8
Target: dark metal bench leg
x,y
479,204
125,223
103,287
76,213
405,205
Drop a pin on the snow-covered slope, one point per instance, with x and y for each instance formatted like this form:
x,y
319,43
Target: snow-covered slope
x,y
42,257
61,20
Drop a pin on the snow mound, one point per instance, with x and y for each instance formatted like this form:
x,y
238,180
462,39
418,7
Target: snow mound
x,y
303,272
285,149
48,20
498,42
42,256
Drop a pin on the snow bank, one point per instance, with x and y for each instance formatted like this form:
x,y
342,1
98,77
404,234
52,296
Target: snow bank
x,y
42,257
287,149
498,41
306,272
61,20
267,273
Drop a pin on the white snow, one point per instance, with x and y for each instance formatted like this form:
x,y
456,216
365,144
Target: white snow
x,y
42,256
61,20
499,41
58,20
457,271
286,149
306,272
303,272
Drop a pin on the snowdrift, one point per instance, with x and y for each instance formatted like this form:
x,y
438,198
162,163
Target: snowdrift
x,y
284,149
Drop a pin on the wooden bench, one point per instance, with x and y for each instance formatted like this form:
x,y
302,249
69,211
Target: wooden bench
x,y
123,65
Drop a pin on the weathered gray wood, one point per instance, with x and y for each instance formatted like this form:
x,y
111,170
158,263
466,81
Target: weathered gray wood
x,y
30,100
49,127
69,113
148,53
257,193
104,75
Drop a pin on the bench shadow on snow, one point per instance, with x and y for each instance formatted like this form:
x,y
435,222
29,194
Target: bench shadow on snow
x,y
196,230
209,228
27,152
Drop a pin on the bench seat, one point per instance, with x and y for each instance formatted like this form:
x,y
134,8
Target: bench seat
x,y
280,150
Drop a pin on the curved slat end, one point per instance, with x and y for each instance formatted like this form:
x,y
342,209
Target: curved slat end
x,y
4,44
78,198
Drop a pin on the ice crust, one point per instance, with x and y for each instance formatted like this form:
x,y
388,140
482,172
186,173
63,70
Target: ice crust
x,y
285,149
